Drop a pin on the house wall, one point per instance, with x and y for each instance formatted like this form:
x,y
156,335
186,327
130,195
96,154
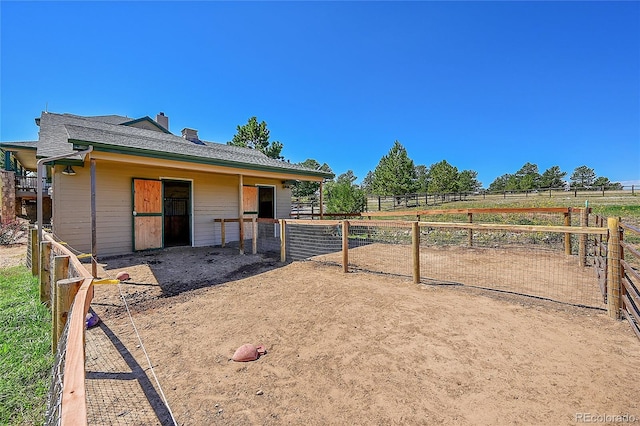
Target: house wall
x,y
214,196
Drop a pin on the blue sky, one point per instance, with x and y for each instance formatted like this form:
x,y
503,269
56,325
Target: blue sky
x,y
487,86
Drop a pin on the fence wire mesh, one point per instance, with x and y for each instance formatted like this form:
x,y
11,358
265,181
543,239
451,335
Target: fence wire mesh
x,y
532,264
306,241
268,238
54,398
528,263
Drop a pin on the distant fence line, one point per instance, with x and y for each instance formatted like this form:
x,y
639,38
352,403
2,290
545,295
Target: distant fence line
x,y
302,206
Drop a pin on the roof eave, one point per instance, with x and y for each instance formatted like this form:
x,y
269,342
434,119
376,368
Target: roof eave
x,y
193,159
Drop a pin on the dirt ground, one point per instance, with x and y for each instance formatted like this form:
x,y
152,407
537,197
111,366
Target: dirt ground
x,y
356,348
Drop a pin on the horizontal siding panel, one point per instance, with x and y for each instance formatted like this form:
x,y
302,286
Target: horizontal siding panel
x,y
214,197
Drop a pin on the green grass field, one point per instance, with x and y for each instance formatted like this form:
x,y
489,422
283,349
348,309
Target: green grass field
x,y
25,349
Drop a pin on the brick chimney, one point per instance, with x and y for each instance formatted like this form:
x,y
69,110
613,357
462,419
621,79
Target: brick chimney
x,y
190,135
162,120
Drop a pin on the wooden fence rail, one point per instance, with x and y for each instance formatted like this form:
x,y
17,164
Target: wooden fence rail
x,y
630,278
66,286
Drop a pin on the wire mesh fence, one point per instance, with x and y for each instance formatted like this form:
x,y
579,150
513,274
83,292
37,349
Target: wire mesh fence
x,y
532,261
308,240
268,238
54,399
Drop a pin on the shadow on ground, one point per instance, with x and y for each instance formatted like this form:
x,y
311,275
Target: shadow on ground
x,y
172,271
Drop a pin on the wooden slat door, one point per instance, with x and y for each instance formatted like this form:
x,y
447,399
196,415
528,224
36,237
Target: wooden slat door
x,y
147,214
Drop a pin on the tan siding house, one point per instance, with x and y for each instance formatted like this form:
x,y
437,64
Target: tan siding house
x,y
154,189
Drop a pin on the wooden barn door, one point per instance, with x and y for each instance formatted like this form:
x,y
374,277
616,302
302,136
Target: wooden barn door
x,y
147,214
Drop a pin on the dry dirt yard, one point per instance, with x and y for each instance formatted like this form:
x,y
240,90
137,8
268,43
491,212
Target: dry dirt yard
x,y
362,348
355,348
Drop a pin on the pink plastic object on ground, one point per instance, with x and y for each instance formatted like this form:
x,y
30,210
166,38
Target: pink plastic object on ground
x,y
122,276
248,352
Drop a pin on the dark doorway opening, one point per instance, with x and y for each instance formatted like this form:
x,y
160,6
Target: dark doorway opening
x,y
177,213
266,202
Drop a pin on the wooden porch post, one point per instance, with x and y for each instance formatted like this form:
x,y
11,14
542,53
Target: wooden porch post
x,y
321,203
241,212
94,244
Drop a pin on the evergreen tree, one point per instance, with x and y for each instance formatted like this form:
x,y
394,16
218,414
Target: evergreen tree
x,y
528,177
501,182
307,189
582,177
255,135
395,173
468,181
343,196
552,178
422,179
443,178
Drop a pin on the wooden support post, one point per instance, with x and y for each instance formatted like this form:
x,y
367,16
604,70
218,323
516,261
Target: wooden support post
x,y
283,240
415,246
623,289
321,202
379,204
44,276
470,216
94,244
60,272
222,242
35,257
66,291
254,229
241,213
613,268
345,246
567,236
582,248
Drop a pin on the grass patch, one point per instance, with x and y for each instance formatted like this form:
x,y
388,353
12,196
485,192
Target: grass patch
x,y
619,204
25,348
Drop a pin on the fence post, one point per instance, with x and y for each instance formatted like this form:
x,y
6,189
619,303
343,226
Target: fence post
x,y
60,272
222,232
567,236
66,291
345,246
613,268
44,272
34,251
582,249
415,249
254,226
470,215
283,241
379,204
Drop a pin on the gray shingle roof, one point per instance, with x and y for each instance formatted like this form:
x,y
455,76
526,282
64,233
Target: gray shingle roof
x,y
21,144
57,130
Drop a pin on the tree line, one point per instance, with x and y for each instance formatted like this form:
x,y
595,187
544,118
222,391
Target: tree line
x,y
396,174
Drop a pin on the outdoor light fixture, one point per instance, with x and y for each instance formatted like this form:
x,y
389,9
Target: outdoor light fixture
x,y
69,171
288,183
